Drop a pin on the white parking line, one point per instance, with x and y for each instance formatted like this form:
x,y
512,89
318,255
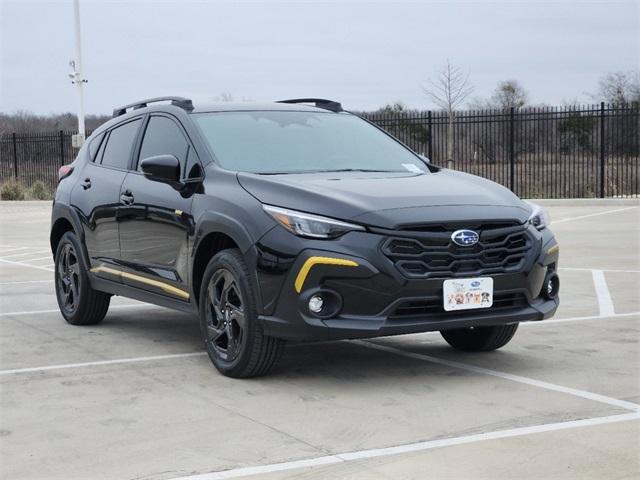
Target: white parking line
x,y
603,269
556,320
506,376
412,447
20,264
48,257
577,319
13,250
605,303
37,252
100,362
571,219
26,282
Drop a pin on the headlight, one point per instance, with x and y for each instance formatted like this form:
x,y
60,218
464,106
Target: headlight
x,y
539,217
307,225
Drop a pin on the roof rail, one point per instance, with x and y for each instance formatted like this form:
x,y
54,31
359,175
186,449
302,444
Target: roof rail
x,y
318,102
184,103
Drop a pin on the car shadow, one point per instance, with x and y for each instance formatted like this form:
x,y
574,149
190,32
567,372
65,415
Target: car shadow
x,y
340,359
155,324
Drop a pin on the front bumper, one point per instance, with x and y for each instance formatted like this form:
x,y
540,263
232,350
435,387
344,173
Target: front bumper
x,y
376,299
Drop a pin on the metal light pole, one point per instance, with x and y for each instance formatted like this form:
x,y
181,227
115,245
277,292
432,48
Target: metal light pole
x,y
77,78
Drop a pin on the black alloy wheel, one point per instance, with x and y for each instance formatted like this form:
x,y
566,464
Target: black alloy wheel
x,y
79,303
226,319
231,329
68,279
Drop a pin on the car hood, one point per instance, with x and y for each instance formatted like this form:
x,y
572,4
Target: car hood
x,y
389,200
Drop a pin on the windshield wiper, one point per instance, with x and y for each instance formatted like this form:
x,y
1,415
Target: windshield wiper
x,y
359,170
292,172
331,171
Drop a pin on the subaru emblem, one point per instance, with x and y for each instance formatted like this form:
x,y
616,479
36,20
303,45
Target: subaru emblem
x,y
465,238
475,283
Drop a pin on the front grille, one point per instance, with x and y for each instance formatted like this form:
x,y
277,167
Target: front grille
x,y
433,306
430,253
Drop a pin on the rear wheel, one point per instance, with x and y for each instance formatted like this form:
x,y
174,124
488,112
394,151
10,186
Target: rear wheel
x,y
480,339
235,342
79,303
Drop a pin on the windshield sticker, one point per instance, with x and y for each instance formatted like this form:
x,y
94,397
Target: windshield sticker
x,y
412,168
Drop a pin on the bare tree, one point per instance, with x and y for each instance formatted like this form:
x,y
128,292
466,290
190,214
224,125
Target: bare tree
x,y
619,88
448,90
224,97
509,94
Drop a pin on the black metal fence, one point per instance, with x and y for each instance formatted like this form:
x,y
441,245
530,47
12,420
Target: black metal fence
x,y
551,152
32,157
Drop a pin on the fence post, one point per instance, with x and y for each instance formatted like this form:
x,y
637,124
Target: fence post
x,y
15,157
61,148
429,148
602,150
512,150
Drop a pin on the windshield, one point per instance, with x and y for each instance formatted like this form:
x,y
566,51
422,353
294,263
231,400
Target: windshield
x,y
270,142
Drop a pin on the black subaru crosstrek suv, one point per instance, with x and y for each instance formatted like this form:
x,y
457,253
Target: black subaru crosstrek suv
x,y
294,220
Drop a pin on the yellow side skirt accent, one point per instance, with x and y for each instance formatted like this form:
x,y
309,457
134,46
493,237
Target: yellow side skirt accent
x,y
137,278
312,261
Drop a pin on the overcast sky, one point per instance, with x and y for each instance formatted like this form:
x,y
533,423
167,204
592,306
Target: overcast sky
x,y
364,54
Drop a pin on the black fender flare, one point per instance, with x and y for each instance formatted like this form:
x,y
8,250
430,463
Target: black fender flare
x,y
61,211
215,222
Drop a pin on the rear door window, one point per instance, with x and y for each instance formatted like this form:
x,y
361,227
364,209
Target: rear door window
x,y
117,151
164,137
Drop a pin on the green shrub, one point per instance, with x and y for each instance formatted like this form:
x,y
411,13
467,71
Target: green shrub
x,y
39,191
12,190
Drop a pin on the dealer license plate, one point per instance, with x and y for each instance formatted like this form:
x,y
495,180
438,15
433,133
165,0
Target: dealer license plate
x,y
467,293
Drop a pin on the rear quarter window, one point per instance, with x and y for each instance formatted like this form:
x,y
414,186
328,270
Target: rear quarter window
x,y
94,145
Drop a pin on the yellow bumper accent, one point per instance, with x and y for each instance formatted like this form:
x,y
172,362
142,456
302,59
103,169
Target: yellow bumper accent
x,y
148,281
554,249
312,261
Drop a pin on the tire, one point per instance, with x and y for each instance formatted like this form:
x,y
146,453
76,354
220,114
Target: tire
x,y
233,337
79,303
480,339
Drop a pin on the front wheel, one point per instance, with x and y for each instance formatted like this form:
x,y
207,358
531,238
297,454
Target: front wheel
x,y
234,340
480,339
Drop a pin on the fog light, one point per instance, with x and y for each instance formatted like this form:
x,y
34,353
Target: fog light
x,y
316,303
551,286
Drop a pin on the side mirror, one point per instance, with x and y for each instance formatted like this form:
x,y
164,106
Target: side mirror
x,y
161,168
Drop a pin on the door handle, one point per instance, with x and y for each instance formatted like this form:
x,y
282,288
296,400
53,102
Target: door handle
x,y
127,198
86,183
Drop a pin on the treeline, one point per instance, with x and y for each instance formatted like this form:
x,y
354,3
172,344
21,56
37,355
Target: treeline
x,y
27,122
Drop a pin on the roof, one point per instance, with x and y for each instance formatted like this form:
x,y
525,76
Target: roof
x,y
186,105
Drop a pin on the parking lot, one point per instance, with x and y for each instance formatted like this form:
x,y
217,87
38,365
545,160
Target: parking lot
x,y
136,398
